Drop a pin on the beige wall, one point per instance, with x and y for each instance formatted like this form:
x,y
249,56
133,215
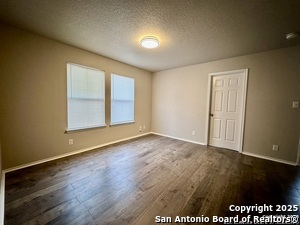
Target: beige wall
x,y
0,167
1,189
34,113
33,98
179,98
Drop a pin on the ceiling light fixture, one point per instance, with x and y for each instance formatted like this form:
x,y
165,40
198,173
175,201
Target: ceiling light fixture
x,y
292,35
150,42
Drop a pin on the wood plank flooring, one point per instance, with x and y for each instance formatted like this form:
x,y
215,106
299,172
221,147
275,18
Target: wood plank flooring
x,y
134,181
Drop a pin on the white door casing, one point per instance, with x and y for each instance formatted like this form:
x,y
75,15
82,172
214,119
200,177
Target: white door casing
x,y
226,109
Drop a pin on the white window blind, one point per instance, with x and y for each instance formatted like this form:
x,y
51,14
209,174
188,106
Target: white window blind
x,y
86,97
122,99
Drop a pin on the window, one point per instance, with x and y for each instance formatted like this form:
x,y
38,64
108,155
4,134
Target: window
x,y
122,99
86,97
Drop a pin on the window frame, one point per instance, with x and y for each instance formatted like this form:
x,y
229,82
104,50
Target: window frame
x,y
69,86
112,98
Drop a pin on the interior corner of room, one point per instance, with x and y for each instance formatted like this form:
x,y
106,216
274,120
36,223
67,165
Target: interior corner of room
x,y
2,187
172,101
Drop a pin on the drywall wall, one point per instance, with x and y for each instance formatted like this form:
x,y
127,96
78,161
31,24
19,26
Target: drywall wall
x,y
179,101
0,168
34,104
2,185
0,163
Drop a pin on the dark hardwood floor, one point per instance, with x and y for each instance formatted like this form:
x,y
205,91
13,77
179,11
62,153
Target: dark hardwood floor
x,y
135,181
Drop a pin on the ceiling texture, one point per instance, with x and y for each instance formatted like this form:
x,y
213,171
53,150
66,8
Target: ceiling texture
x,y
190,31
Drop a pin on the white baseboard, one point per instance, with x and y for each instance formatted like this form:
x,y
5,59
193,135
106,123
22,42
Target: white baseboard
x,y
181,139
298,154
2,190
270,158
69,154
245,153
2,194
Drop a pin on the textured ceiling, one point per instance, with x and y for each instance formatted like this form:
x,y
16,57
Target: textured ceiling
x,y
190,31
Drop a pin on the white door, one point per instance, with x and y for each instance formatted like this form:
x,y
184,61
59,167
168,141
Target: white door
x,y
228,93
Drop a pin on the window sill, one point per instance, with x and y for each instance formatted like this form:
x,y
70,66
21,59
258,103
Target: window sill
x,y
84,129
122,123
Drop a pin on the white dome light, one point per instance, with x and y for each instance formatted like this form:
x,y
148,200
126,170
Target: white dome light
x,y
292,35
150,42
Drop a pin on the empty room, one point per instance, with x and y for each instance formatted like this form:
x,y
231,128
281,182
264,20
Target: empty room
x,y
149,112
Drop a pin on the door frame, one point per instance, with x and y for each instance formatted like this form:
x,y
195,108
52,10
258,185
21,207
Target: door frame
x,y
209,100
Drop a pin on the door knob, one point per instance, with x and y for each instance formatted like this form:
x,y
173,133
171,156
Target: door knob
x,y
211,114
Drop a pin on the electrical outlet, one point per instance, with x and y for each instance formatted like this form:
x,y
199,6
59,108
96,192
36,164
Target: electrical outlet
x,y
275,148
144,127
193,132
71,141
295,104
140,129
